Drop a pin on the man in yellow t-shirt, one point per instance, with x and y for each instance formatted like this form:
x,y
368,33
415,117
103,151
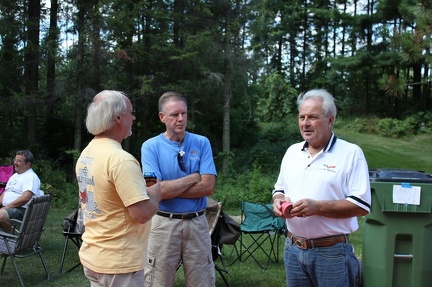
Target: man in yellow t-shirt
x,y
116,205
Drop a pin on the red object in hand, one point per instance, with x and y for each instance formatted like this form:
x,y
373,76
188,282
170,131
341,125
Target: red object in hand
x,y
286,207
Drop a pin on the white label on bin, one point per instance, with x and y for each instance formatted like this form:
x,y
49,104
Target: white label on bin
x,y
406,194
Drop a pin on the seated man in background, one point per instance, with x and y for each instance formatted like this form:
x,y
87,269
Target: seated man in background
x,y
23,185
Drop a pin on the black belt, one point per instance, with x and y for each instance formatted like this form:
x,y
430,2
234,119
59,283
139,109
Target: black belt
x,y
328,241
189,215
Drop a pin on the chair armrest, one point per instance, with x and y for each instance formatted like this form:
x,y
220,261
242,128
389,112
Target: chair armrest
x,y
70,220
15,221
15,224
68,228
8,235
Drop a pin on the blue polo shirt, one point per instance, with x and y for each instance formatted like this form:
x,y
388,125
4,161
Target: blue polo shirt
x,y
159,154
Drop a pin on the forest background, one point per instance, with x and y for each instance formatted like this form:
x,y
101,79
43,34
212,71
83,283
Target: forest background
x,y
240,63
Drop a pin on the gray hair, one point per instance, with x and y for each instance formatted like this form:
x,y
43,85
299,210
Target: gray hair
x,y
169,96
27,155
101,113
328,102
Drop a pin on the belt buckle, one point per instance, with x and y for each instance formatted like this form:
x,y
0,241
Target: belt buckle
x,y
300,243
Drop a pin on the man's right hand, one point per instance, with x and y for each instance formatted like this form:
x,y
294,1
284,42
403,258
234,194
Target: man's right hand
x,y
154,192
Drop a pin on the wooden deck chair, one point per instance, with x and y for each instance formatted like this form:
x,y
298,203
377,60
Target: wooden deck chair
x,y
260,232
26,240
72,231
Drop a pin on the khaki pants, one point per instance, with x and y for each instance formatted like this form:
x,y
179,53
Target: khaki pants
x,y
134,279
172,240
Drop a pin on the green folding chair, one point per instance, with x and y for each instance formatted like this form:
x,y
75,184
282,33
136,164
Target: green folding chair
x,y
260,233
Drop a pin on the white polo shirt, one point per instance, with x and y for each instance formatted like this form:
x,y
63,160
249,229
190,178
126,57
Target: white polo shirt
x,y
339,171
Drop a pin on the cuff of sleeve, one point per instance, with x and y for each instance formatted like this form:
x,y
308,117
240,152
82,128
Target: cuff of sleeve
x,y
276,192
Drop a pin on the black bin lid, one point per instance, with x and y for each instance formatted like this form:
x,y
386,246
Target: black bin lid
x,y
399,175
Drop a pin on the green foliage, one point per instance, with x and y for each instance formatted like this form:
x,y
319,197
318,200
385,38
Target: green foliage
x,y
254,168
267,151
394,128
6,161
74,153
55,182
278,99
253,185
392,85
268,53
417,124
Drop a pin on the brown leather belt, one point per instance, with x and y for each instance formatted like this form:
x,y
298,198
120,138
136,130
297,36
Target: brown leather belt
x,y
304,243
180,215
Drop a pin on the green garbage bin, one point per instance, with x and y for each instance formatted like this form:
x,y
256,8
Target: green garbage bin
x,y
397,233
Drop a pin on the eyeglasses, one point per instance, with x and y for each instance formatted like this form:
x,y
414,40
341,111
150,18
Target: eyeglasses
x,y
180,159
132,112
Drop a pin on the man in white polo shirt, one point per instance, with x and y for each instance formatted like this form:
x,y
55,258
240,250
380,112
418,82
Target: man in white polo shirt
x,y
22,186
327,181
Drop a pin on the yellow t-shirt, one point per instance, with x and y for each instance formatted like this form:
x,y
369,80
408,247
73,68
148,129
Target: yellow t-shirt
x,y
109,180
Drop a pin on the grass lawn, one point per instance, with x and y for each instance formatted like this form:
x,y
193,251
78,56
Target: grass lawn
x,y
382,152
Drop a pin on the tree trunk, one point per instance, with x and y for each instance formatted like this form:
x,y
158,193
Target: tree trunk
x,y
96,22
53,36
416,87
227,64
10,74
31,74
80,70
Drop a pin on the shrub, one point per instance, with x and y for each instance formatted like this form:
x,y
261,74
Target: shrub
x,y
423,122
253,185
267,152
55,182
420,123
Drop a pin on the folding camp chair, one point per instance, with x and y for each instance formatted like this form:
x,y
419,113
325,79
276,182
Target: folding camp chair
x,y
214,217
6,172
27,235
72,231
260,232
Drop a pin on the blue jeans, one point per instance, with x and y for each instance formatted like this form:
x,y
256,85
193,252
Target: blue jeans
x,y
334,266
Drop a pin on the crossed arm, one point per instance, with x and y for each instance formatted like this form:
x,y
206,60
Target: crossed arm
x,y
194,185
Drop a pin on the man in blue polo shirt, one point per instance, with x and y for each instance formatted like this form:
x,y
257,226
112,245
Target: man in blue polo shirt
x,y
183,164
327,181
